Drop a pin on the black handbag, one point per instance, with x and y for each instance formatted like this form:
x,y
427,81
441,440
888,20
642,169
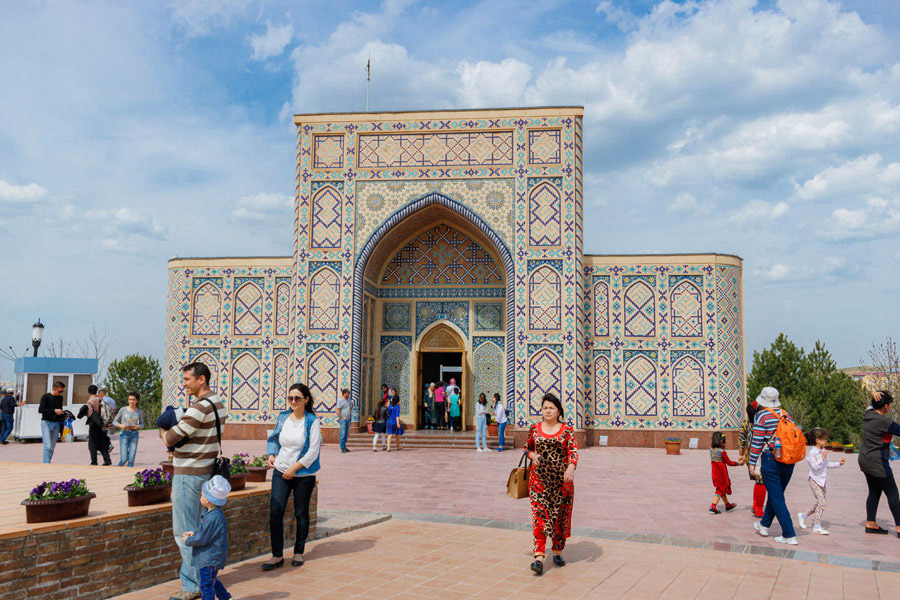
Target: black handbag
x,y
221,464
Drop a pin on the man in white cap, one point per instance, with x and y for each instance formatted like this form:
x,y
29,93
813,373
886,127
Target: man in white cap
x,y
776,475
209,544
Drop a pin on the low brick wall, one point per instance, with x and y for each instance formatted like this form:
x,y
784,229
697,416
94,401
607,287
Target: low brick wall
x,y
116,555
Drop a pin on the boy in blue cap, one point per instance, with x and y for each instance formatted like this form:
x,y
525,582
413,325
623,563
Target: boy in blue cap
x,y
210,542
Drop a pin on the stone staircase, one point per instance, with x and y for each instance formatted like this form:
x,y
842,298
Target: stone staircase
x,y
464,440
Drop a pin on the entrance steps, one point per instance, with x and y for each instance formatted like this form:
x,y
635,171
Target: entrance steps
x,y
462,440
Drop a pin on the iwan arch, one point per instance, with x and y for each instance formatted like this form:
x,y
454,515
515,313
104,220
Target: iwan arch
x,y
456,238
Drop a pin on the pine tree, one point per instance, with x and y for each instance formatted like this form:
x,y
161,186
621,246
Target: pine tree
x,y
781,366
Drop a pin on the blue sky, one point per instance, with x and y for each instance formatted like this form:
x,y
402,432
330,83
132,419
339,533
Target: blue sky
x,y
133,132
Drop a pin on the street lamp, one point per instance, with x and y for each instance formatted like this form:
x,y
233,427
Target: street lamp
x,y
37,332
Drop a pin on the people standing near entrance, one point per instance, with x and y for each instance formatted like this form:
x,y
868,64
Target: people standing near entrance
x,y
393,426
51,409
454,409
92,412
481,413
500,415
817,457
440,406
552,448
385,392
721,481
379,427
452,388
759,488
342,412
8,412
294,450
874,460
130,421
776,475
428,406
200,430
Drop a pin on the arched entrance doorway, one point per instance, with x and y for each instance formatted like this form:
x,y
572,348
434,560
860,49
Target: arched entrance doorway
x,y
433,260
441,355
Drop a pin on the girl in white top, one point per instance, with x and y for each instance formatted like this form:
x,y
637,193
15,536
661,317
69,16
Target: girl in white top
x,y
500,415
818,477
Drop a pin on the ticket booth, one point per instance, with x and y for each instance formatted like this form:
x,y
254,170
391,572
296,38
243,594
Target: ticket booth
x,y
35,377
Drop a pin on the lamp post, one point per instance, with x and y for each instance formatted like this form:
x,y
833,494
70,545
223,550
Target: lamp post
x,y
37,332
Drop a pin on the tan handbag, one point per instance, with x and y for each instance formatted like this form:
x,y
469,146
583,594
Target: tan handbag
x,y
517,484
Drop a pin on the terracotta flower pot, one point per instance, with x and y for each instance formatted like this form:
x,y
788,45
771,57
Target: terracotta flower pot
x,y
369,426
168,466
673,447
155,494
257,474
61,509
493,430
848,450
238,482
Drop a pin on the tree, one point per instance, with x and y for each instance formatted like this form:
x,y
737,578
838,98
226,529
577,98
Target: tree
x,y
58,348
812,389
141,374
885,362
96,345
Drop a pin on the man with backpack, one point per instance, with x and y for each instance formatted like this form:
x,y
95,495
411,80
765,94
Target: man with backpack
x,y
93,412
776,445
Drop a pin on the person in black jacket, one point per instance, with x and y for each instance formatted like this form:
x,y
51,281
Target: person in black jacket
x,y
7,412
874,460
52,414
98,440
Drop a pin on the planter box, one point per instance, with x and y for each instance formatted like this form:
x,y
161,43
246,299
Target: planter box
x,y
238,482
62,509
848,450
257,474
168,467
673,447
154,494
493,430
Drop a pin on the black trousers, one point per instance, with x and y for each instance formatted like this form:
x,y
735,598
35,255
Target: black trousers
x,y
302,487
439,414
457,423
98,441
877,485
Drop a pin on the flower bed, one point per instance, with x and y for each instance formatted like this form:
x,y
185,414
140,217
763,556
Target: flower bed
x,y
150,486
58,500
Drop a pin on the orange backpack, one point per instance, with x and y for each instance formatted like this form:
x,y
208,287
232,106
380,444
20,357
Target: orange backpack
x,y
793,443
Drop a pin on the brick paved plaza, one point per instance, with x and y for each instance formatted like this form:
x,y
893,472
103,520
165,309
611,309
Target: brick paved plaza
x,y
640,525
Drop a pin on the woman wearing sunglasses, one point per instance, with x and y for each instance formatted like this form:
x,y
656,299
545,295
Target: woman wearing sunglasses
x,y
293,450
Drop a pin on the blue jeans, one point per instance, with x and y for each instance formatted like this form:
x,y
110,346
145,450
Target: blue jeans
x,y
776,477
345,431
50,434
481,432
7,427
186,490
501,431
210,586
128,442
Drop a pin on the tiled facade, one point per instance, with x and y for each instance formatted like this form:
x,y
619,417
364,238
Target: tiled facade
x,y
461,231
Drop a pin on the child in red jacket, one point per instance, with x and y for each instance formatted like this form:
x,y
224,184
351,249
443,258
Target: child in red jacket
x,y
719,459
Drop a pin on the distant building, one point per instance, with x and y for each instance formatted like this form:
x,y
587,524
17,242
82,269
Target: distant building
x,y
870,377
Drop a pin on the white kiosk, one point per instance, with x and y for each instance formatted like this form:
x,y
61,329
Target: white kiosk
x,y
35,377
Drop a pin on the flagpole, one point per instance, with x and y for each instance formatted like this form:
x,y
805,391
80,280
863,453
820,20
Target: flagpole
x,y
368,78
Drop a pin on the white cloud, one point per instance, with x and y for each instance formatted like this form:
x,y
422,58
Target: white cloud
x,y
758,210
622,19
686,203
21,194
263,207
485,83
776,272
199,17
877,217
858,177
113,226
272,42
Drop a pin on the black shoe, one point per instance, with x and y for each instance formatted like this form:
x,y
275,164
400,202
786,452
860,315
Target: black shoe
x,y
4,442
272,566
558,560
880,530
94,464
538,567
297,563
107,464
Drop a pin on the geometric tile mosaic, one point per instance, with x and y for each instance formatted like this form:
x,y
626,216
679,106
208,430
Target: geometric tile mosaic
x,y
544,146
248,306
545,298
455,312
396,316
329,151
686,306
640,306
488,316
435,150
545,212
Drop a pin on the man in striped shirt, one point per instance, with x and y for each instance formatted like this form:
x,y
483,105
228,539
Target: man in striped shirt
x,y
776,475
193,463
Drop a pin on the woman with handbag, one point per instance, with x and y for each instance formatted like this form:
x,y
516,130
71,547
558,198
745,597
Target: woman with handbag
x,y
394,427
293,450
379,427
552,448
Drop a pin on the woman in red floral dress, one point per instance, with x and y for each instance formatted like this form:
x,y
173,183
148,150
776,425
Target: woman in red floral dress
x,y
551,446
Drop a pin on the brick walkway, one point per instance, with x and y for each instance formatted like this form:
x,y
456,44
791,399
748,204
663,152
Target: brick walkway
x,y
406,560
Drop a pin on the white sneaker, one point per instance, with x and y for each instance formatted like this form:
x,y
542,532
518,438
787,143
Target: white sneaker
x,y
802,518
818,529
783,540
477,449
763,531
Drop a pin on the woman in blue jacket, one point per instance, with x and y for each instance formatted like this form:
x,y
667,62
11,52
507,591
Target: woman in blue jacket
x,y
293,450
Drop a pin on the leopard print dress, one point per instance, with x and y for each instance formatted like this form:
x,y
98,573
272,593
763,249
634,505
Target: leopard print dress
x,y
551,497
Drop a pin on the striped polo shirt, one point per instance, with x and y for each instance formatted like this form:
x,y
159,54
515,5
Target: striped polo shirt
x,y
198,426
764,430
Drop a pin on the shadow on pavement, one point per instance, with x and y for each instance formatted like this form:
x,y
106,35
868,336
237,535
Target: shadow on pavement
x,y
582,551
